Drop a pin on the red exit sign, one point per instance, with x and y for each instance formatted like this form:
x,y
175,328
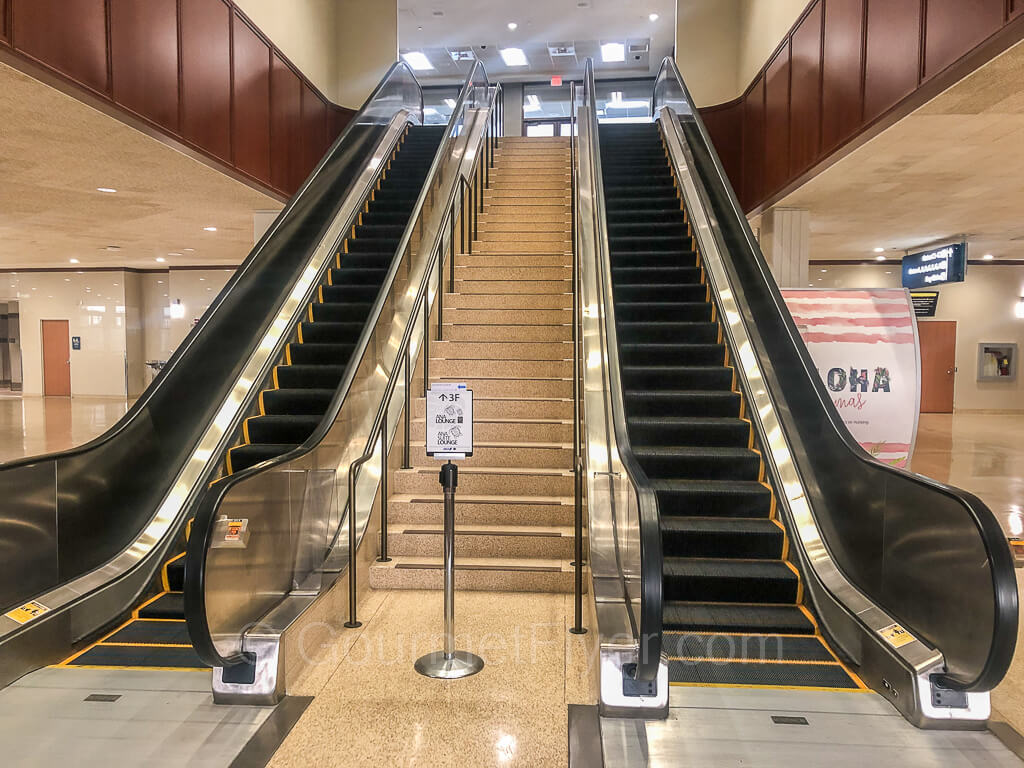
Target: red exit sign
x,y
556,81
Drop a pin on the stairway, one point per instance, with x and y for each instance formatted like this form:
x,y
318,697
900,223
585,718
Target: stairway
x,y
734,612
508,335
304,383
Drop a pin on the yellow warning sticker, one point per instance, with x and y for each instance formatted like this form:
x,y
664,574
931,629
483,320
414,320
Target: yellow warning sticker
x,y
896,636
27,612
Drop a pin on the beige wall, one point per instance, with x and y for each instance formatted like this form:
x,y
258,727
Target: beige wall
x,y
304,31
196,289
762,25
707,48
367,44
983,308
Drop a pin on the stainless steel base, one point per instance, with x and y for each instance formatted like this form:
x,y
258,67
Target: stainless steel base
x,y
459,664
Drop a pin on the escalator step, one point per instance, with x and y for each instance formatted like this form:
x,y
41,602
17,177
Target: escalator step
x,y
706,463
281,430
167,606
722,617
725,580
681,257
309,376
682,403
245,456
322,332
297,402
359,275
147,631
647,312
349,294
677,377
713,498
712,645
684,430
312,353
655,292
758,538
341,313
683,352
667,272
761,673
176,574
139,656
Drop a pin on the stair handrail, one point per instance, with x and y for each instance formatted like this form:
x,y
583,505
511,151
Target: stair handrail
x,y
223,647
969,611
637,557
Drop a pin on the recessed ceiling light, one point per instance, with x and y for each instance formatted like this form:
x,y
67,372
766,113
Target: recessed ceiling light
x,y
513,26
879,258
879,250
75,261
161,259
202,279
653,17
190,250
113,247
988,257
67,279
209,229
417,60
824,271
513,57
613,52
107,190
174,254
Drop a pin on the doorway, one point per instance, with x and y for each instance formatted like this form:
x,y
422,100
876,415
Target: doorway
x,y
56,358
938,365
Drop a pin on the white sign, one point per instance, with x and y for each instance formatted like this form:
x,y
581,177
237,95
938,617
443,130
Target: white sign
x,y
449,421
864,344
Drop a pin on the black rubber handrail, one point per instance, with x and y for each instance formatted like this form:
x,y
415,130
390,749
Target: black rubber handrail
x,y
121,477
932,556
207,510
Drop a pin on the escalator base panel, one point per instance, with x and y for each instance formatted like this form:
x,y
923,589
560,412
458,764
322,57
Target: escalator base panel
x,y
756,673
147,656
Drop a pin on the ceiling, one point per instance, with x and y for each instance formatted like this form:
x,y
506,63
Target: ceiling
x,y
55,153
435,27
954,167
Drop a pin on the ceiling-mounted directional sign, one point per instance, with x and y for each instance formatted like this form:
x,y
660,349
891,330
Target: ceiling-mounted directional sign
x,y
449,421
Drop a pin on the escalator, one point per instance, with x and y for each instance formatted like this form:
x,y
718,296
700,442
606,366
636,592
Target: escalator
x,y
303,385
733,610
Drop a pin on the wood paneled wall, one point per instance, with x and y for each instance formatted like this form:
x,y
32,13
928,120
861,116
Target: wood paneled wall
x,y
197,71
848,67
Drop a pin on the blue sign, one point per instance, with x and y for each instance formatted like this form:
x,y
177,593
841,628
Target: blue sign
x,y
947,264
76,342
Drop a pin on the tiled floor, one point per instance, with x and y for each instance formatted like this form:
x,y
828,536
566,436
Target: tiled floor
x,y
30,426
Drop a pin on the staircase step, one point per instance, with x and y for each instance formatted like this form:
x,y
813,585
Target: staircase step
x,y
506,541
511,430
481,509
475,573
494,481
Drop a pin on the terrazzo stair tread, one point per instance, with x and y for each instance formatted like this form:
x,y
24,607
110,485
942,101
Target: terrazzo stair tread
x,y
753,647
426,509
682,403
498,386
509,407
751,538
487,261
660,333
507,541
488,453
527,369
717,432
549,431
508,301
707,463
509,481
495,272
737,617
520,193
523,350
542,217
559,236
462,316
726,580
681,352
514,287
475,573
500,250
719,498
534,184
493,332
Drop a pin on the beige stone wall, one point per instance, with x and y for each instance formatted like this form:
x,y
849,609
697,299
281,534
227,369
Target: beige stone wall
x,y
707,49
367,44
762,25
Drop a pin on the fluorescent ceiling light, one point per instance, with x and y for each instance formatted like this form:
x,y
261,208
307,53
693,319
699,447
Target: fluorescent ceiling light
x,y
532,103
653,17
879,250
161,259
613,52
879,258
450,103
74,261
209,229
417,60
513,26
430,111
107,190
513,57
988,257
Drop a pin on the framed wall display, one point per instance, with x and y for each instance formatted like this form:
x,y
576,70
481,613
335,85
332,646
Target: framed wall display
x,y
997,361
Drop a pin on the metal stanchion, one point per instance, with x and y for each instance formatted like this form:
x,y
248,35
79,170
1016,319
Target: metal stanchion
x,y
449,664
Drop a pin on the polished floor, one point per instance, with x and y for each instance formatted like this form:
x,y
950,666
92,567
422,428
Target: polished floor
x,y
30,426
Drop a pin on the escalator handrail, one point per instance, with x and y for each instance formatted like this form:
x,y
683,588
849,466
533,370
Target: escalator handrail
x,y
648,626
206,514
990,534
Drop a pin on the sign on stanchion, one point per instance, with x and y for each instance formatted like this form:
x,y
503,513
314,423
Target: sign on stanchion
x,y
449,436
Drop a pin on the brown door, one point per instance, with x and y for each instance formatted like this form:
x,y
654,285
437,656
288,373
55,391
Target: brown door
x,y
56,358
938,365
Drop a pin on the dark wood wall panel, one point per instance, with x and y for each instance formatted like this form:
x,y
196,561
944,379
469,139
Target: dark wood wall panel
x,y
954,27
725,126
206,75
842,63
144,56
5,33
892,66
1016,7
753,144
68,35
251,101
805,94
776,120
286,126
314,122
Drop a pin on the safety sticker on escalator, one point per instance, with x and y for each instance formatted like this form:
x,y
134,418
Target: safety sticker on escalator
x,y
27,612
896,636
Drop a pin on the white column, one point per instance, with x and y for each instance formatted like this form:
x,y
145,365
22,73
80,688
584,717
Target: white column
x,y
785,240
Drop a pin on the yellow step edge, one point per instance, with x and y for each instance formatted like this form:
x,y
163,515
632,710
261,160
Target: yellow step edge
x,y
145,645
771,687
805,662
163,572
132,669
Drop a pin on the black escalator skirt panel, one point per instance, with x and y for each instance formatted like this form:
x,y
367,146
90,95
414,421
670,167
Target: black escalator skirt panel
x,y
733,612
156,635
305,381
